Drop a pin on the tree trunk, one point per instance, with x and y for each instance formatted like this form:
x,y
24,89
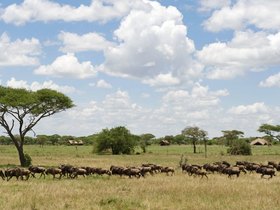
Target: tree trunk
x,y
194,147
205,148
21,155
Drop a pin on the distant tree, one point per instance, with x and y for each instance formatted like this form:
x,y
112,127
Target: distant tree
x,y
4,140
89,140
195,134
272,131
42,139
54,139
231,135
169,138
145,140
118,140
21,110
179,139
29,140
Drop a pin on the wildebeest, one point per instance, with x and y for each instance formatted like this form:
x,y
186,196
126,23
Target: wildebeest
x,y
155,168
12,172
102,171
37,169
146,170
201,173
54,171
117,170
211,168
17,172
231,171
66,169
168,170
78,171
190,168
266,171
130,172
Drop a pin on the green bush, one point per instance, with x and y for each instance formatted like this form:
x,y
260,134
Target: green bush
x,y
118,140
28,160
240,147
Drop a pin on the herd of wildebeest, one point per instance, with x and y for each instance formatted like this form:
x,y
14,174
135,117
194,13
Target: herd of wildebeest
x,y
70,171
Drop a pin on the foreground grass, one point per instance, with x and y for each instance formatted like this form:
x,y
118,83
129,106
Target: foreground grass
x,y
154,192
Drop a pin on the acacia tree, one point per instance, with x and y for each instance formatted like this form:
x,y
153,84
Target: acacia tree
x,y
145,140
21,110
270,130
231,135
195,134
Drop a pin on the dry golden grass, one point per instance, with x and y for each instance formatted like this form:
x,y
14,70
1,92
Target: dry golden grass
x,y
159,192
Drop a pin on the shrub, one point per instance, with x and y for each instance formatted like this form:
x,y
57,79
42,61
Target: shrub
x,y
119,140
28,160
240,147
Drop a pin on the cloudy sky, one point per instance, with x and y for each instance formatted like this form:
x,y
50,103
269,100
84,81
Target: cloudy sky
x,y
152,66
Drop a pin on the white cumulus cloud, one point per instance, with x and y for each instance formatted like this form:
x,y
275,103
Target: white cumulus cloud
x,y
34,86
87,42
19,52
271,81
208,5
247,51
153,46
103,84
255,108
67,65
46,10
243,13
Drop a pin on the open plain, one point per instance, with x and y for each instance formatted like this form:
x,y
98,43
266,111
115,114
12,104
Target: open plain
x,y
157,192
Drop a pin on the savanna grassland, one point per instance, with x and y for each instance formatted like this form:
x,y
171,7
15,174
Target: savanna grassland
x,y
160,192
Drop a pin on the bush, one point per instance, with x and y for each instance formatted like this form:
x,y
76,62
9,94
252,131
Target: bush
x,y
118,140
240,147
28,160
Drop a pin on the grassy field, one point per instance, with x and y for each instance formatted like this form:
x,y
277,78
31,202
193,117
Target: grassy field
x,y
153,192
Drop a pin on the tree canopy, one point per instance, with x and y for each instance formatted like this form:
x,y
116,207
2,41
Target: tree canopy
x,y
272,131
21,110
194,134
231,135
118,140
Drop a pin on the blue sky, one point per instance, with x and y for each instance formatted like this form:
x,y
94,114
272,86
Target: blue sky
x,y
152,66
